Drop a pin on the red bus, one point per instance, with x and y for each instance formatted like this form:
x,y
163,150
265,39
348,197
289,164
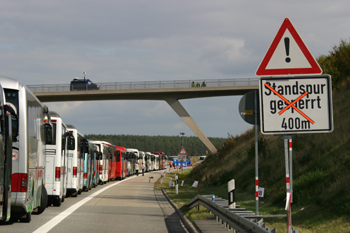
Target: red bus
x,y
121,171
112,162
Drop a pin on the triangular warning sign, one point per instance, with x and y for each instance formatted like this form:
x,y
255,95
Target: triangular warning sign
x,y
183,151
288,55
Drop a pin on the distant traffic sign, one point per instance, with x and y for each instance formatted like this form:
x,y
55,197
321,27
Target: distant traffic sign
x,y
296,105
182,154
183,151
288,55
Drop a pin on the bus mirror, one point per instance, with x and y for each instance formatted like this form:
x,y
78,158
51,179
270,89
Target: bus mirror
x,y
69,138
9,108
14,127
45,109
8,136
71,142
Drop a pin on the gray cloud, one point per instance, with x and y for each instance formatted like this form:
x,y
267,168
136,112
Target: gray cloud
x,y
47,42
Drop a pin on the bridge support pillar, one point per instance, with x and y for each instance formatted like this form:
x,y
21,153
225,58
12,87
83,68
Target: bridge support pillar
x,y
181,111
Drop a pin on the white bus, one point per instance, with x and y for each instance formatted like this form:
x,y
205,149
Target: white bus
x,y
6,157
142,159
57,161
102,147
28,161
156,162
153,162
133,155
75,164
148,161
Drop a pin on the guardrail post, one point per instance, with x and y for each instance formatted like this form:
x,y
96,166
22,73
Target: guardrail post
x,y
231,194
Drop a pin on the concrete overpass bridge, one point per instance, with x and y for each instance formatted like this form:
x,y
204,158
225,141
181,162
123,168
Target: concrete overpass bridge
x,y
169,91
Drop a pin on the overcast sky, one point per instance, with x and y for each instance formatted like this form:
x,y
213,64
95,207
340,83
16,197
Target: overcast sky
x,y
52,42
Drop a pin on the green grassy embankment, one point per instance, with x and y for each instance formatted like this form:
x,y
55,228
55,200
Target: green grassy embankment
x,y
321,174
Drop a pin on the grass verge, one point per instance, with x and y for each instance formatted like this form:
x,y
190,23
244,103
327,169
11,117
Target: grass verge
x,y
305,220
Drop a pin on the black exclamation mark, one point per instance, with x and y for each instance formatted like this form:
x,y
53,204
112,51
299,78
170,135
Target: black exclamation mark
x,y
286,44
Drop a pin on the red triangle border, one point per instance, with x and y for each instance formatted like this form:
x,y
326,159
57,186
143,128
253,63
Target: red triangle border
x,y
315,68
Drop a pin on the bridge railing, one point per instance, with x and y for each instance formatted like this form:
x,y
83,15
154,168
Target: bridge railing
x,y
151,84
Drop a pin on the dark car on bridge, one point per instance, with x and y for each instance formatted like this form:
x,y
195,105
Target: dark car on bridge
x,y
82,85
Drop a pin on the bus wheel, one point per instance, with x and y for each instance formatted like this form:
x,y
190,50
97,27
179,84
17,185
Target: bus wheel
x,y
75,194
79,191
44,201
26,218
56,201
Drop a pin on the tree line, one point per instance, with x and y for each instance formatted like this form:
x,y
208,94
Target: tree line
x,y
170,145
337,63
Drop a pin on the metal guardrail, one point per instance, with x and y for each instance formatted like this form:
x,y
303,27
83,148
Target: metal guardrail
x,y
237,218
151,84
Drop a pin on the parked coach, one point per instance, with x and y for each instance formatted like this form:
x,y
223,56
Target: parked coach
x,y
6,134
75,164
56,152
28,192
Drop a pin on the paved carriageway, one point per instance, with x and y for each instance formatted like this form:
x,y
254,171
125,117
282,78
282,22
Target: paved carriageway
x,y
124,206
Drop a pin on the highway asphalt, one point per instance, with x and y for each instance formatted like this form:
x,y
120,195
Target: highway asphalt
x,y
124,206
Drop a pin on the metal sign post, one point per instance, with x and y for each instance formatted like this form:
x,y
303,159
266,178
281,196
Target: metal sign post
x,y
291,169
286,156
289,180
256,154
249,111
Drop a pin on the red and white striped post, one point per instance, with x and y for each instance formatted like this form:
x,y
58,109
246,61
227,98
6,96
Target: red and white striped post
x,y
291,169
288,162
257,192
256,154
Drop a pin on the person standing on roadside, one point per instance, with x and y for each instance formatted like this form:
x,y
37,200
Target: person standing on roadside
x,y
143,169
137,168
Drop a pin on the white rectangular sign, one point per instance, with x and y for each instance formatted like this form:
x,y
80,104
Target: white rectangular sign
x,y
261,192
292,105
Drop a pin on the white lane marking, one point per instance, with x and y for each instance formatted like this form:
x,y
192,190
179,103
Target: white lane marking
x,y
56,220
